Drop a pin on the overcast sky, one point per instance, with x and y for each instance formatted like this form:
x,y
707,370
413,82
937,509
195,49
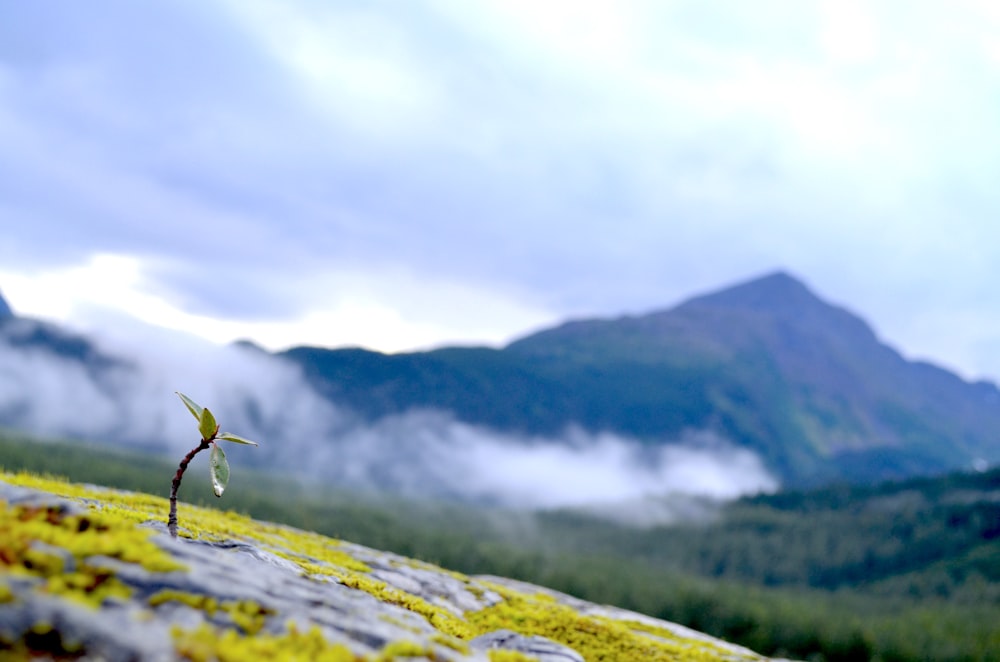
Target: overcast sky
x,y
401,175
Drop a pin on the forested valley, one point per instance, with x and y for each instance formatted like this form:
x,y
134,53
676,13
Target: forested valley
x,y
899,571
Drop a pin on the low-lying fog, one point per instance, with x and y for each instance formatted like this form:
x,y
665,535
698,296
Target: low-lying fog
x,y
419,453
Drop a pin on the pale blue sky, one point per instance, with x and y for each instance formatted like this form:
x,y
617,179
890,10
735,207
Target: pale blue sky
x,y
401,175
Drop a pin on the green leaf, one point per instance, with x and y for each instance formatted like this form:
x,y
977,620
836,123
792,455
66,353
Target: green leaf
x,y
229,436
192,406
207,425
220,470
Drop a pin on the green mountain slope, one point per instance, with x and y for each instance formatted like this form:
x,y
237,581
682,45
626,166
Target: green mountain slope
x,y
766,364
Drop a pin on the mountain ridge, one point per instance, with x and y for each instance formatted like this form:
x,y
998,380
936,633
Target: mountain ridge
x,y
766,364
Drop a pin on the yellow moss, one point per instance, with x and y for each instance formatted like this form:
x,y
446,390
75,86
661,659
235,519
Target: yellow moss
x,y
398,649
90,586
208,644
596,638
310,550
248,615
399,623
442,620
451,642
510,656
417,564
22,528
315,568
245,614
194,600
646,628
298,546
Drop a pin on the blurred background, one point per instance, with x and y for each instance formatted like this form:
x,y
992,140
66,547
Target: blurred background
x,y
340,173
694,277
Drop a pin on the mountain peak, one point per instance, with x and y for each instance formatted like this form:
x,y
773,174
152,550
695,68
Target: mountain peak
x,y
729,316
774,292
788,301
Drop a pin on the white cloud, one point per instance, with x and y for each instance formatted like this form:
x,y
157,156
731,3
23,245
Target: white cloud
x,y
355,66
417,453
849,33
388,312
560,159
586,33
589,470
107,280
106,287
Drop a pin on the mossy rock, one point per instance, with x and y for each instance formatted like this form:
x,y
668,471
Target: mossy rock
x,y
91,572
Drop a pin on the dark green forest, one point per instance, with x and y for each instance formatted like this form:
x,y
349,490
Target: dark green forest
x,y
900,571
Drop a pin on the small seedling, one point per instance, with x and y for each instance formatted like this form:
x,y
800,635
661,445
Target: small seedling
x,y
217,464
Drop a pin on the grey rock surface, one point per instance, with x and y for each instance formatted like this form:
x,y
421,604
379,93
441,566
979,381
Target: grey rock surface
x,y
276,582
544,649
231,572
733,651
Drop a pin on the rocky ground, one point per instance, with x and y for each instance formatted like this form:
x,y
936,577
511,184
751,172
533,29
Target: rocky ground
x,y
91,573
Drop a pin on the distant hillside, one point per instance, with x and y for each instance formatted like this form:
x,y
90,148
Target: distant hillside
x,y
842,573
766,364
918,539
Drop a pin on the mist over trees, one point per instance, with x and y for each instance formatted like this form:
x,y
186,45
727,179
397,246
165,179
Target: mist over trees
x,y
900,571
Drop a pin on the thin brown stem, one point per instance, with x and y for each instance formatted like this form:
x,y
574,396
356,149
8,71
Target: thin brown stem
x,y
176,484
